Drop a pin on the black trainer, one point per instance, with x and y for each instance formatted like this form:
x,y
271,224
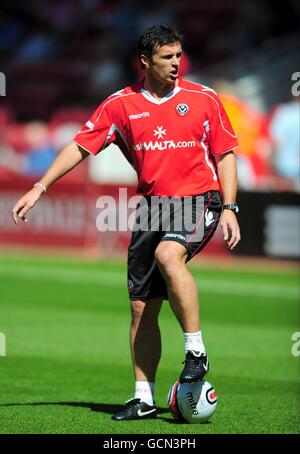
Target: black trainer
x,y
135,409
195,367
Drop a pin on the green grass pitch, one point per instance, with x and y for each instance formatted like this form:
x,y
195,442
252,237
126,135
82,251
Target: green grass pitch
x,y
67,367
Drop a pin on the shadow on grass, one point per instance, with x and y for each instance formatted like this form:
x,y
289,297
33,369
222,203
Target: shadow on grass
x,y
99,408
180,423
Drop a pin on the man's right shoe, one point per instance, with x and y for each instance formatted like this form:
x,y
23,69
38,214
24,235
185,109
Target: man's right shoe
x,y
196,367
135,409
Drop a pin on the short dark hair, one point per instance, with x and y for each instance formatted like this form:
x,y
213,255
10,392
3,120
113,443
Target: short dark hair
x,y
157,35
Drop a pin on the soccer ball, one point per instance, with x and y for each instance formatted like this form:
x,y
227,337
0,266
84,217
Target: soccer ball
x,y
192,402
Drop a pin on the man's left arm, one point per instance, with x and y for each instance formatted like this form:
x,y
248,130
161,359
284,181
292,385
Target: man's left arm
x,y
226,167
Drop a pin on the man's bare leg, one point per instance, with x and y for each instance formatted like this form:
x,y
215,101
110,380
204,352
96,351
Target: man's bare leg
x,y
183,295
145,342
145,339
182,288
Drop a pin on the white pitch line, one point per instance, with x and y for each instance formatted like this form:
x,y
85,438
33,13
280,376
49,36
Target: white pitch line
x,y
117,278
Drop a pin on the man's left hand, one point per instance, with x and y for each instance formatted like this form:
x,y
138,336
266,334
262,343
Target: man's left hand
x,y
230,228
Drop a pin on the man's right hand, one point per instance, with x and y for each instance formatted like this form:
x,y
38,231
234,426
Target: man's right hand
x,y
25,203
70,156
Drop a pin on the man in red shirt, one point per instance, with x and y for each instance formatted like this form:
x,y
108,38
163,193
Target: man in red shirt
x,y
177,137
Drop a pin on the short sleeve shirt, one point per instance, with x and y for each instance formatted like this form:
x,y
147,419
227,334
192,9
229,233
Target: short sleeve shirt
x,y
171,143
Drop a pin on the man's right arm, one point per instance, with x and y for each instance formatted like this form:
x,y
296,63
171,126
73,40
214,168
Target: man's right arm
x,y
66,160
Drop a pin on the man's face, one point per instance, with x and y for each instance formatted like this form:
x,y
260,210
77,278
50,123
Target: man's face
x,y
164,63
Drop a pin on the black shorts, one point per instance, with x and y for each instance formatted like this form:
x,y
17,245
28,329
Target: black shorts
x,y
189,221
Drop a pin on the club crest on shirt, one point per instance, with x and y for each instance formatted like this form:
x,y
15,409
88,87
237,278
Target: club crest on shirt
x,y
182,109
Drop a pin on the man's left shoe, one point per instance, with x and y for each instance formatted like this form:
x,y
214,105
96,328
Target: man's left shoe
x,y
135,409
195,367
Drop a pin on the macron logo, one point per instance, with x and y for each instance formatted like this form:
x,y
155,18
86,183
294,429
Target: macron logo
x,y
174,235
139,115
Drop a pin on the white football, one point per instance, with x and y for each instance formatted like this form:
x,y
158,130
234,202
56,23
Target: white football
x,y
192,402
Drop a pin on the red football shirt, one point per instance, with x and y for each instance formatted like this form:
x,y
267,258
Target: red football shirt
x,y
169,142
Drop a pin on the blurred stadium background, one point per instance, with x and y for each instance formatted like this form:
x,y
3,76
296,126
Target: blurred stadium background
x,y
61,58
